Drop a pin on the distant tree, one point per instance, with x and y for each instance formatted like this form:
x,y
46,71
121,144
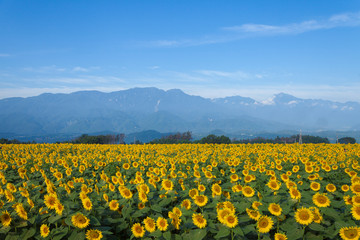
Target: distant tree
x,y
347,140
215,139
100,139
174,138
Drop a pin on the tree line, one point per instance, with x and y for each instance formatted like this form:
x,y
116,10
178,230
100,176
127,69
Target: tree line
x,y
186,137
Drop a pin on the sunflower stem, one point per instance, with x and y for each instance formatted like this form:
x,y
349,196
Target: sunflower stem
x,y
232,234
304,232
277,228
258,235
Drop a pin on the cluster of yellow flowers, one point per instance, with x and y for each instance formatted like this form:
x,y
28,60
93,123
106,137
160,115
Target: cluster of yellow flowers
x,y
267,191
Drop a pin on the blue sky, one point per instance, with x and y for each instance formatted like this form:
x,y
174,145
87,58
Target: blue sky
x,y
309,49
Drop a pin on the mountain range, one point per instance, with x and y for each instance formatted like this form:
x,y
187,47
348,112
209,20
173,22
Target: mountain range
x,y
141,109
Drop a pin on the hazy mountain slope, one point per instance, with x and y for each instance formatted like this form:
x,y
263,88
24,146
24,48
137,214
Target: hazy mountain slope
x,y
140,109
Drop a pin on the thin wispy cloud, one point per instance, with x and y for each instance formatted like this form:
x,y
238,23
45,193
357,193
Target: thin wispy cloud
x,y
45,69
80,69
4,55
237,32
335,21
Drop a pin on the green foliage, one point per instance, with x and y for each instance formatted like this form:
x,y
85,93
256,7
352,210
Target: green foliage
x,y
215,139
347,140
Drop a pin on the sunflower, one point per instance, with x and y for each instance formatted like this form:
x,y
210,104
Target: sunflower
x,y
237,188
321,200
80,221
222,213
93,234
280,236
137,230
167,184
126,193
199,220
5,218
87,204
50,200
150,225
253,214
162,224
175,221
201,200
255,205
355,188
345,188
264,224
248,191
295,194
355,211
231,221
347,200
44,230
20,210
350,233
201,188
273,185
275,209
143,197
177,211
304,216
317,215
330,187
234,177
59,208
356,200
113,205
186,204
193,193
315,186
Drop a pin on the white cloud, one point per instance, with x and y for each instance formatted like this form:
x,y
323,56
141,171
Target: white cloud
x,y
45,69
339,20
80,69
235,33
154,67
4,55
214,73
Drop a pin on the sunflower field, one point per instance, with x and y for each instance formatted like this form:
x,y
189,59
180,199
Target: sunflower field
x,y
184,191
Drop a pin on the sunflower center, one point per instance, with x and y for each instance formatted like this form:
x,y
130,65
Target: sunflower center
x,y
351,233
304,215
263,223
321,199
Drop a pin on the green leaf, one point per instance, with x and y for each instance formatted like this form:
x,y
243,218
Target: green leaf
x,y
198,234
59,233
224,232
156,234
28,233
126,211
238,231
164,202
312,236
75,235
241,206
12,237
316,227
53,219
296,233
5,229
178,237
156,208
167,235
94,221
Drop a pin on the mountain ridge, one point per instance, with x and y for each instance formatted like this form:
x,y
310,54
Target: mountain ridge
x,y
141,109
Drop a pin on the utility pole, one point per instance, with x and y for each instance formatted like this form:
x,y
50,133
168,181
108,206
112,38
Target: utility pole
x,y
300,138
